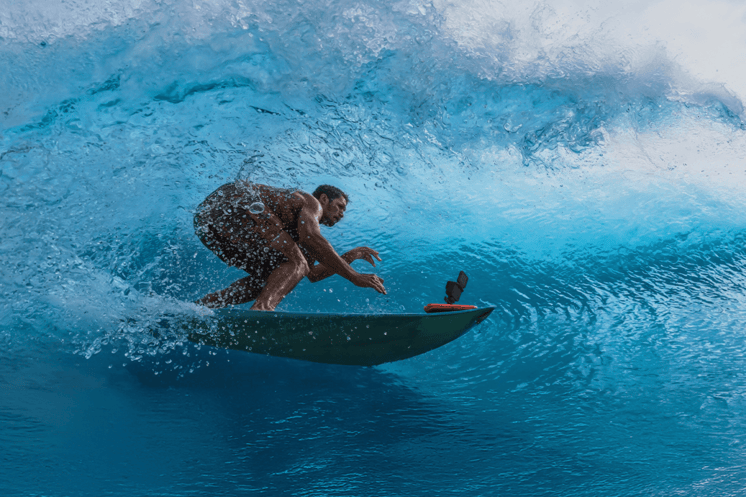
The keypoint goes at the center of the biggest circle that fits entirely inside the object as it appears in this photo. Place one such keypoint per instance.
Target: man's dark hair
(332, 192)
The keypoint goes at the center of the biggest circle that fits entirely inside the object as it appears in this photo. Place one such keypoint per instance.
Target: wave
(559, 171)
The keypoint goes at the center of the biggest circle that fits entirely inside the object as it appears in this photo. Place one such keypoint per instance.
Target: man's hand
(366, 280)
(365, 253)
(369, 281)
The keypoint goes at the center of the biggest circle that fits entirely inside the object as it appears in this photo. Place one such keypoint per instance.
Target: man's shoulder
(307, 199)
(285, 197)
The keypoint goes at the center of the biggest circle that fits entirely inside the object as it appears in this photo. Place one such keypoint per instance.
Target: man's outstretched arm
(320, 271)
(311, 237)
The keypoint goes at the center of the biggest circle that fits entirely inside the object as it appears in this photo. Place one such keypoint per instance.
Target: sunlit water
(590, 185)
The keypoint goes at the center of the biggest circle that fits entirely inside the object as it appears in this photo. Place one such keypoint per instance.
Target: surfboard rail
(348, 339)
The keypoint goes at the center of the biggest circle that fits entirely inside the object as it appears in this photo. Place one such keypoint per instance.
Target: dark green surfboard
(351, 339)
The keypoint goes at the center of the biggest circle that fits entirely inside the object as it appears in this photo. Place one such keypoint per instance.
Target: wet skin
(295, 211)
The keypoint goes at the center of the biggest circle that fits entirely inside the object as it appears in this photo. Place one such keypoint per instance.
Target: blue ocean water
(593, 191)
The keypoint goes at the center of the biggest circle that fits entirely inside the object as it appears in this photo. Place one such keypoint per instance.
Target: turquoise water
(592, 189)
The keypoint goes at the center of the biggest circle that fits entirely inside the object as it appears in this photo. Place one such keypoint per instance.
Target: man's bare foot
(261, 307)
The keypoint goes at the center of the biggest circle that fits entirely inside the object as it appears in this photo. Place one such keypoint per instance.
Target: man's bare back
(278, 246)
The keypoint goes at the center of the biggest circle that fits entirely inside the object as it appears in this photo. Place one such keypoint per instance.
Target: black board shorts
(241, 248)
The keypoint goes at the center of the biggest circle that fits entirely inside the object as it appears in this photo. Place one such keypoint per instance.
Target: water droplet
(256, 208)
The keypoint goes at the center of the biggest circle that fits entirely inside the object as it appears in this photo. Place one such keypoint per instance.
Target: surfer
(274, 235)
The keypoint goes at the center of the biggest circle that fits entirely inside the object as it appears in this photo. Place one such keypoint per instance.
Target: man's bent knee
(301, 268)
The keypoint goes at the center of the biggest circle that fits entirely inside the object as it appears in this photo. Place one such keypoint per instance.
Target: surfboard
(349, 339)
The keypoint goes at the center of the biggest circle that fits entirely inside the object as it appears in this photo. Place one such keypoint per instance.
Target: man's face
(333, 210)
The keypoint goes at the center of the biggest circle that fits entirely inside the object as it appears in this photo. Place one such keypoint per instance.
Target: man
(274, 235)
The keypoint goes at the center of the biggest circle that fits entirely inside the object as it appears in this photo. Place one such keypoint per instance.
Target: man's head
(333, 203)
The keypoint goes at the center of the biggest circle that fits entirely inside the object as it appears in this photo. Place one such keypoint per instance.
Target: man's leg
(280, 282)
(240, 292)
(287, 275)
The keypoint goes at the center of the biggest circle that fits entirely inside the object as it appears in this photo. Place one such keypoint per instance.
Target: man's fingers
(380, 284)
(377, 284)
(372, 281)
(373, 252)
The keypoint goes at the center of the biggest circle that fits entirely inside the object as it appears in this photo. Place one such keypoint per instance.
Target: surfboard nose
(484, 315)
